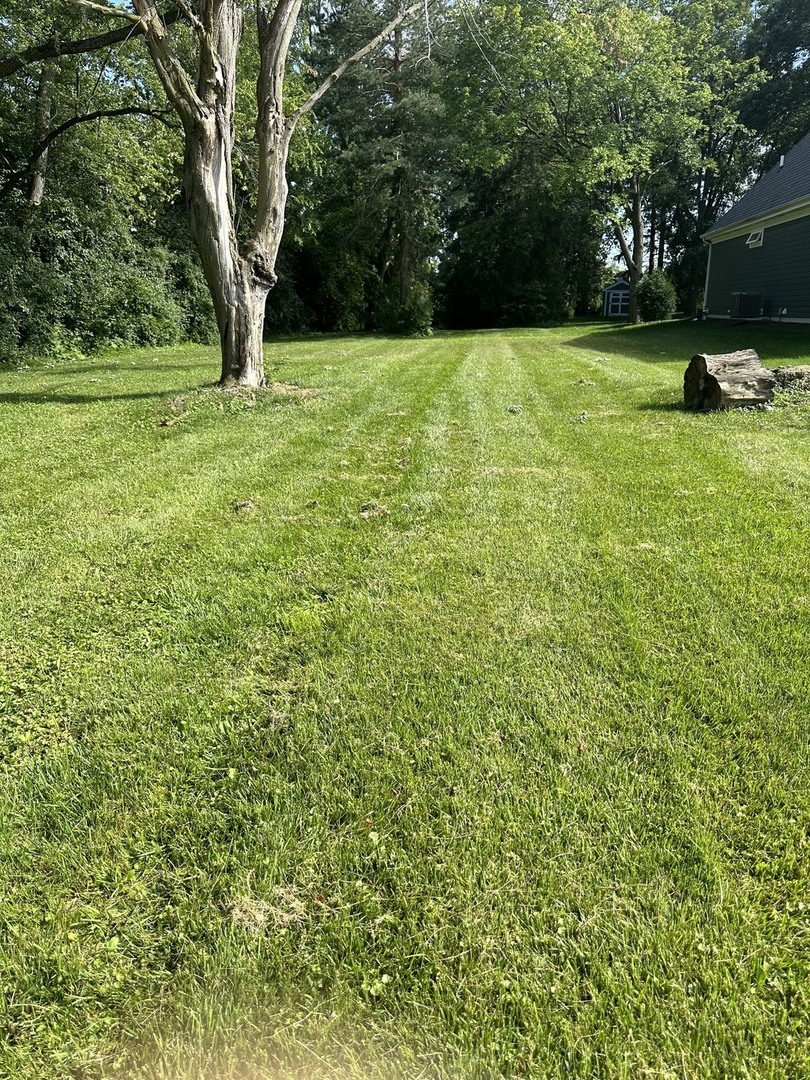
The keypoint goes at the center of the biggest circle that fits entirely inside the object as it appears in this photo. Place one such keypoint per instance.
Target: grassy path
(449, 722)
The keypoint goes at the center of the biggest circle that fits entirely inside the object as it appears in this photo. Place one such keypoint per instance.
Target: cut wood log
(727, 381)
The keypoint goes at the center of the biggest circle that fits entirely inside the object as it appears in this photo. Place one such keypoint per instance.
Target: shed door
(618, 303)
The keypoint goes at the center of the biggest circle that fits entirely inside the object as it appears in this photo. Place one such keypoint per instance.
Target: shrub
(77, 285)
(415, 316)
(656, 296)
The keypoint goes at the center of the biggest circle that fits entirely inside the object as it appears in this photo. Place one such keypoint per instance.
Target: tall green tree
(89, 160)
(780, 109)
(381, 187)
(647, 106)
(521, 252)
(710, 169)
(603, 92)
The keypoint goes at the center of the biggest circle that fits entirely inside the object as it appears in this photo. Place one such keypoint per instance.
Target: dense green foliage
(521, 255)
(781, 42)
(481, 168)
(94, 255)
(364, 262)
(87, 281)
(656, 296)
(397, 729)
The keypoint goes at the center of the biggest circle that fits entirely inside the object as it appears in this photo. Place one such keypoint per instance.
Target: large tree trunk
(697, 276)
(42, 124)
(239, 277)
(637, 262)
(662, 239)
(634, 259)
(238, 280)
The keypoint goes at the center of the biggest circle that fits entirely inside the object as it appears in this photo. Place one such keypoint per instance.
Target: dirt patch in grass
(217, 399)
(282, 389)
(249, 394)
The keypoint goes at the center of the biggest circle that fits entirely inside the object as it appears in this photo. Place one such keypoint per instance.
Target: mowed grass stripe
(598, 772)
(483, 786)
(140, 524)
(642, 738)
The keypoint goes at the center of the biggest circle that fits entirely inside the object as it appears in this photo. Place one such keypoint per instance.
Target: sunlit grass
(449, 721)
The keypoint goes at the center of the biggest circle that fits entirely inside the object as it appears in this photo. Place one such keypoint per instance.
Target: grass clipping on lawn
(447, 719)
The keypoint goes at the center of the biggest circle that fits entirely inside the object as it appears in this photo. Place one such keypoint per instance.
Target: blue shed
(616, 299)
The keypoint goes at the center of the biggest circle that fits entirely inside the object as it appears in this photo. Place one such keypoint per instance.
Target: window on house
(755, 239)
(619, 303)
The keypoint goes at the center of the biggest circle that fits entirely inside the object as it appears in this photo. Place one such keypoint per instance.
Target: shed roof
(783, 185)
(621, 285)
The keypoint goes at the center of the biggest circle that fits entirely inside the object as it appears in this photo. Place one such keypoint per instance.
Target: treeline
(490, 165)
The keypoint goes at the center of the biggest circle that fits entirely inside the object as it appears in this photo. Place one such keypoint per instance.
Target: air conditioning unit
(746, 305)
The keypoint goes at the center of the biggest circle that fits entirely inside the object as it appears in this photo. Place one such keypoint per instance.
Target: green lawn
(389, 732)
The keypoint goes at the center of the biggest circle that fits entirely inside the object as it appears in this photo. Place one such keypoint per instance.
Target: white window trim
(755, 239)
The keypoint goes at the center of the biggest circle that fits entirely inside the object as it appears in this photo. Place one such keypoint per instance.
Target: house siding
(779, 272)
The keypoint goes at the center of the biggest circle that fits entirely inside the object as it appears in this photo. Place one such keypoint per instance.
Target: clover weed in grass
(395, 730)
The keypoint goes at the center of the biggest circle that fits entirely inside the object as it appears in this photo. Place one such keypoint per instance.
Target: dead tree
(239, 276)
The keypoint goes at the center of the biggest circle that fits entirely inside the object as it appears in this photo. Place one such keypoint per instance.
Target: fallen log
(727, 381)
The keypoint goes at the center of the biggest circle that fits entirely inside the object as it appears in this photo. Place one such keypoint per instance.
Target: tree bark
(727, 381)
(239, 277)
(42, 123)
(633, 258)
(697, 275)
(55, 47)
(638, 250)
(239, 295)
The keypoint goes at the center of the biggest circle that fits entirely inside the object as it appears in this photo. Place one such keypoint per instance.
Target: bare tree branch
(189, 16)
(104, 9)
(625, 249)
(84, 118)
(355, 58)
(47, 50)
(171, 72)
(275, 36)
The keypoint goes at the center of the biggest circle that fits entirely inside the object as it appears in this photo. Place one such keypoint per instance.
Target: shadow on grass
(665, 406)
(119, 367)
(56, 398)
(664, 343)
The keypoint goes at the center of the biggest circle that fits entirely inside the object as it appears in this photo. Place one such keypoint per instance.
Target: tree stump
(727, 381)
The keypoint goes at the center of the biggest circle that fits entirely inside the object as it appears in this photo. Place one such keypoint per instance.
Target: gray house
(759, 252)
(616, 299)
